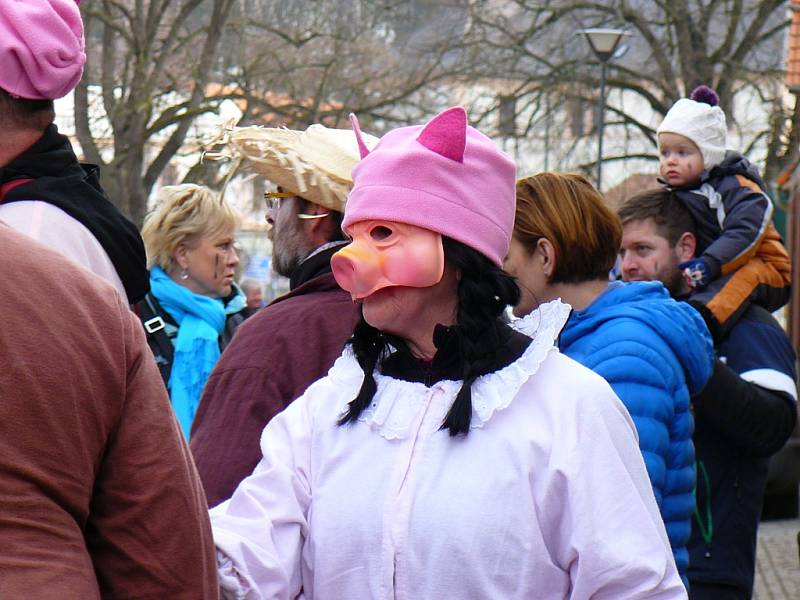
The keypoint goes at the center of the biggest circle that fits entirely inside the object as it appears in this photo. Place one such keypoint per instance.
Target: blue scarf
(200, 321)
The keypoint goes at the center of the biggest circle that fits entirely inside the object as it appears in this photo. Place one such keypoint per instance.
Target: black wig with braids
(484, 291)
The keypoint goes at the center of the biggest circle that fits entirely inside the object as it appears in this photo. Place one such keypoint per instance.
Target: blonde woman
(193, 306)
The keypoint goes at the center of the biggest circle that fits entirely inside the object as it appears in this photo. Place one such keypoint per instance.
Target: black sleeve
(757, 419)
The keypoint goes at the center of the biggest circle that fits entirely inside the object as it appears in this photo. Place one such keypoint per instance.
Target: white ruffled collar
(397, 402)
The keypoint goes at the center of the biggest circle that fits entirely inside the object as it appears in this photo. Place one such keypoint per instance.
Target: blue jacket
(655, 352)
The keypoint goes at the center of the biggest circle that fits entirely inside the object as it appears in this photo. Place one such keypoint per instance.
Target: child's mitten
(697, 273)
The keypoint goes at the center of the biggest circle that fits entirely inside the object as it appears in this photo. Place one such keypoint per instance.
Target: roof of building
(793, 59)
(638, 182)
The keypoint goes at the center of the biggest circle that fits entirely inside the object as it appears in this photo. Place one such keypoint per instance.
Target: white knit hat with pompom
(700, 119)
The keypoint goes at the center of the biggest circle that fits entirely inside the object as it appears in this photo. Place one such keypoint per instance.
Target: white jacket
(546, 497)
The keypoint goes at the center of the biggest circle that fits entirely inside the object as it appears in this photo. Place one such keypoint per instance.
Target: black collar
(500, 346)
(50, 156)
(58, 179)
(313, 266)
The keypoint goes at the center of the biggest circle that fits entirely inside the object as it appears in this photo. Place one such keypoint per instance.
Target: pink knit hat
(446, 177)
(41, 48)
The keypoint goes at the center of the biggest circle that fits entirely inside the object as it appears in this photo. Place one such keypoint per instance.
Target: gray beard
(285, 264)
(289, 249)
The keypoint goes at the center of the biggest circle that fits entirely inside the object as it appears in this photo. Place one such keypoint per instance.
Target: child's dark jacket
(746, 258)
(731, 211)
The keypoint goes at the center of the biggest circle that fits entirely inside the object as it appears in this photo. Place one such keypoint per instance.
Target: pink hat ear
(446, 134)
(362, 147)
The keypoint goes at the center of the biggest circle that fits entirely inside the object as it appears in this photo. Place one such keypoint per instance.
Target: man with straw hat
(291, 343)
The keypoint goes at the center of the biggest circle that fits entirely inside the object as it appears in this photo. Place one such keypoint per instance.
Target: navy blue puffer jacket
(656, 353)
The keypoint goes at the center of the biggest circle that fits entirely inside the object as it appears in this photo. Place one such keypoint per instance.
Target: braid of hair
(369, 346)
(484, 291)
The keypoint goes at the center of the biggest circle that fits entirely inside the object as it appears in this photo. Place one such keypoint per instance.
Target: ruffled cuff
(232, 586)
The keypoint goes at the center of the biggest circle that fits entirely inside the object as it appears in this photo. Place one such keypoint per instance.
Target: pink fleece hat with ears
(41, 48)
(445, 176)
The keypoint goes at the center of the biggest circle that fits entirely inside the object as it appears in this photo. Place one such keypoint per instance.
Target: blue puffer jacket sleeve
(654, 352)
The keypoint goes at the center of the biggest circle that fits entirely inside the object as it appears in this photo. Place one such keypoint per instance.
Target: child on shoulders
(741, 258)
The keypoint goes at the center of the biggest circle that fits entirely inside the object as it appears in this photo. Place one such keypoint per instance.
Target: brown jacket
(98, 494)
(274, 356)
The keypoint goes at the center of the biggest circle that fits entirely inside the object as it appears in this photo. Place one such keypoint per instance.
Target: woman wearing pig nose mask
(446, 454)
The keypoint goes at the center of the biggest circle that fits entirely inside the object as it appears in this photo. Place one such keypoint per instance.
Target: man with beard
(286, 346)
(744, 415)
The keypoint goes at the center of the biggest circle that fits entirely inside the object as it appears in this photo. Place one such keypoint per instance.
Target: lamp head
(603, 41)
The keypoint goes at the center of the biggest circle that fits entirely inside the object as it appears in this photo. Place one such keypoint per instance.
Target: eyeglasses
(273, 199)
(273, 202)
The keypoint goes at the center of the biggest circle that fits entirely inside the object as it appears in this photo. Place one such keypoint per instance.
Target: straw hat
(315, 164)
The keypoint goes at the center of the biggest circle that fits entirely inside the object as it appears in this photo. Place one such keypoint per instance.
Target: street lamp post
(604, 43)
